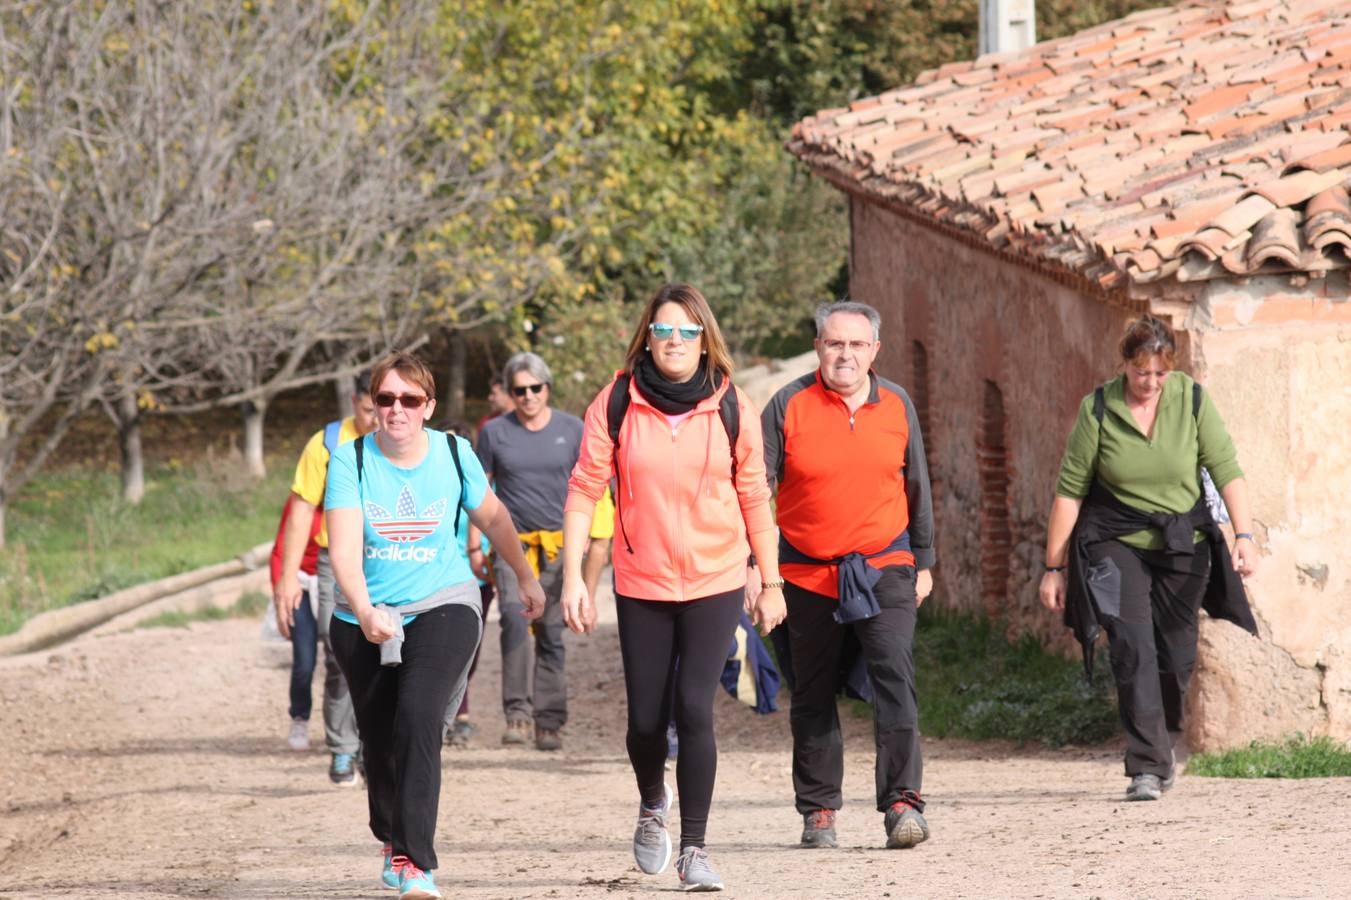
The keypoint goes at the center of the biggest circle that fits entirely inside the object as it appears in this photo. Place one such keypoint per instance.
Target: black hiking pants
(1153, 646)
(886, 642)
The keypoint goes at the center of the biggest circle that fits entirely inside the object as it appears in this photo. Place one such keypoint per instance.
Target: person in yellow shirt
(307, 489)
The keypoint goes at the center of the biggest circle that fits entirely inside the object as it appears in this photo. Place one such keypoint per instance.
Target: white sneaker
(299, 738)
(651, 842)
(696, 872)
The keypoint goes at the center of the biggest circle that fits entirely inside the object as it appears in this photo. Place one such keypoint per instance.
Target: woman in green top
(1138, 533)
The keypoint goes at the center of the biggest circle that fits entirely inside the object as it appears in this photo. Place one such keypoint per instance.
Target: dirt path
(152, 764)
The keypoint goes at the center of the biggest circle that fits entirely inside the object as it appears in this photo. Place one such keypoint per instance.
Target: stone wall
(1278, 361)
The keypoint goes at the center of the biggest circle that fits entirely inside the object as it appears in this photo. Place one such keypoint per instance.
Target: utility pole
(1007, 25)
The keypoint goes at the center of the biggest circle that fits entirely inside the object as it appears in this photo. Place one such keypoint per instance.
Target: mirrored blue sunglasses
(662, 331)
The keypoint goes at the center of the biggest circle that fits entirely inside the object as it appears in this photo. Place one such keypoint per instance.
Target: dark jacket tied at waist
(1093, 592)
(856, 579)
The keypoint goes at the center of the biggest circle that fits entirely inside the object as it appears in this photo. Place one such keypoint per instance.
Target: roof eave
(976, 228)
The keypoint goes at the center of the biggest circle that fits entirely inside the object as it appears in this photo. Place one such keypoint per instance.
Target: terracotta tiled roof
(1193, 142)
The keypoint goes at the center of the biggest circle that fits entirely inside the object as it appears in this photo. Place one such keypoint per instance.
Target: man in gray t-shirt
(528, 455)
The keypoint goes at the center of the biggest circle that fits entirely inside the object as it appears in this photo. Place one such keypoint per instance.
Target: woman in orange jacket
(690, 507)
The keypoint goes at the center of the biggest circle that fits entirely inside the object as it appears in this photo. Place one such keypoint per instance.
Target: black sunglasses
(519, 390)
(409, 401)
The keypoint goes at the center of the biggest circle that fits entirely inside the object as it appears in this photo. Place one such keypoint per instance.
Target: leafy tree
(809, 55)
(583, 343)
(771, 247)
(647, 173)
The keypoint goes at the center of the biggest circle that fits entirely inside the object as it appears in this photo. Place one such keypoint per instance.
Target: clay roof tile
(1295, 189)
(1175, 143)
(1327, 219)
(1275, 238)
(1323, 161)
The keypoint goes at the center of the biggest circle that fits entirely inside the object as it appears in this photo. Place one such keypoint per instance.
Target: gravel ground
(152, 764)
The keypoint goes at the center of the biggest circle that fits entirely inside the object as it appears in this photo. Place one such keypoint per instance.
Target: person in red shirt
(844, 450)
(305, 630)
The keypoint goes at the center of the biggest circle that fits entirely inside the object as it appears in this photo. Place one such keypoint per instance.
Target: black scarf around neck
(671, 397)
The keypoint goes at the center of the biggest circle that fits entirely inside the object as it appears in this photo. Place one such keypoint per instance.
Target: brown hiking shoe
(548, 739)
(518, 732)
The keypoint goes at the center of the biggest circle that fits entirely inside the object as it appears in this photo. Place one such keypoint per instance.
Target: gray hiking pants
(547, 706)
(340, 721)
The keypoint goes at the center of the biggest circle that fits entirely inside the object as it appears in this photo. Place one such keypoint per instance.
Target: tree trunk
(129, 443)
(4, 471)
(454, 395)
(254, 411)
(343, 388)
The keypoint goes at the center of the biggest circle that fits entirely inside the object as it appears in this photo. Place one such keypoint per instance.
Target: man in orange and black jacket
(844, 450)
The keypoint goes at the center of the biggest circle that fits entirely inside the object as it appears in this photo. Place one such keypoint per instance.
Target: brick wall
(1007, 355)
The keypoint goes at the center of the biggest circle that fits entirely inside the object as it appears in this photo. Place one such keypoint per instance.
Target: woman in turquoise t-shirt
(408, 616)
(1132, 460)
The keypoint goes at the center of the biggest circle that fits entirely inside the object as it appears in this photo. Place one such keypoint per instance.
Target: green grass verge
(72, 538)
(973, 683)
(249, 605)
(1297, 757)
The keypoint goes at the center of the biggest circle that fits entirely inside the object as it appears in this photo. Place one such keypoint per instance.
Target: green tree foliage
(1057, 18)
(776, 239)
(809, 55)
(584, 342)
(640, 171)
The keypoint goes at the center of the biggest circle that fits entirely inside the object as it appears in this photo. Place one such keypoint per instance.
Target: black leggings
(653, 635)
(399, 711)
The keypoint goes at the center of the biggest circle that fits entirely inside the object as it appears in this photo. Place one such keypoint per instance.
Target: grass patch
(1297, 757)
(249, 605)
(72, 538)
(973, 683)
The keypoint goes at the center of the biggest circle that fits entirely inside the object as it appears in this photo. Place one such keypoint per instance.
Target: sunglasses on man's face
(519, 390)
(409, 401)
(662, 331)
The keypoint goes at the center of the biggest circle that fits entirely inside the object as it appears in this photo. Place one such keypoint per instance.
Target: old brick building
(1010, 214)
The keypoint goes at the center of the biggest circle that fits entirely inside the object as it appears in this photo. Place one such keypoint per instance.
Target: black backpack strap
(1099, 407)
(360, 447)
(1196, 400)
(459, 472)
(615, 410)
(729, 410)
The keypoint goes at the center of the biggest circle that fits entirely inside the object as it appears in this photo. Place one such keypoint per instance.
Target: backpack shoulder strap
(459, 472)
(359, 445)
(331, 432)
(1099, 408)
(729, 410)
(617, 407)
(1196, 400)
